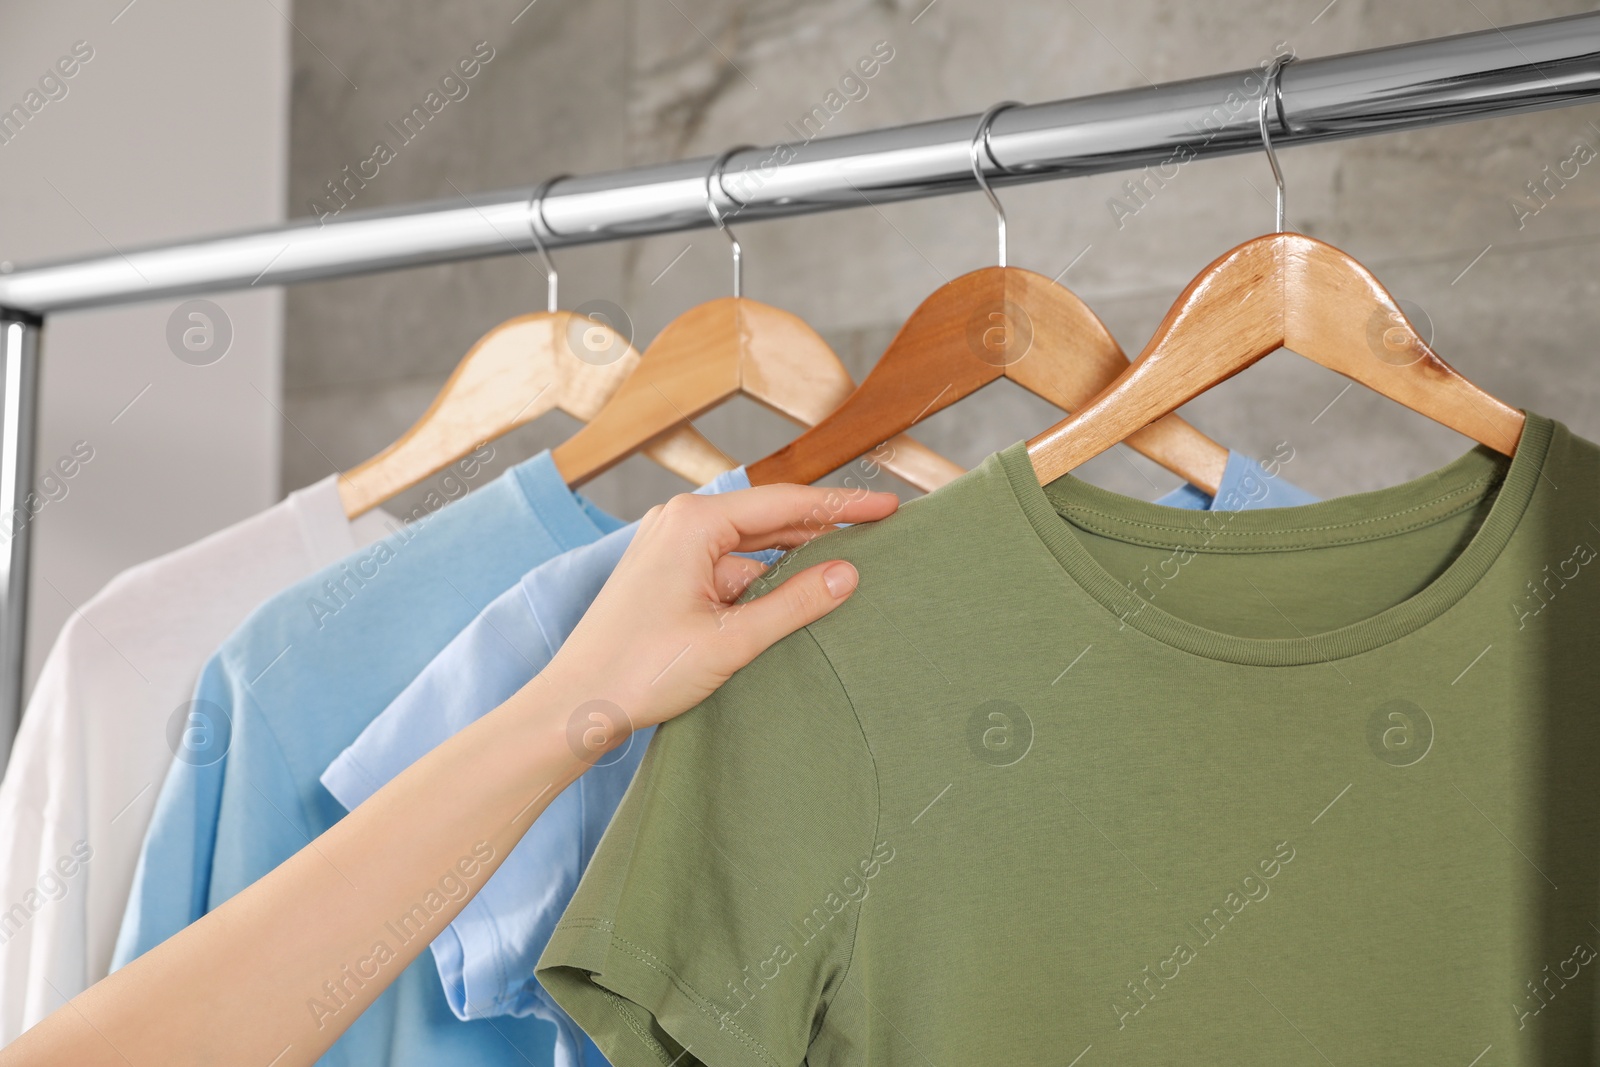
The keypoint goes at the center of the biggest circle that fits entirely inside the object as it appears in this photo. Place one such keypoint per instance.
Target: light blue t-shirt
(486, 958)
(1246, 486)
(290, 689)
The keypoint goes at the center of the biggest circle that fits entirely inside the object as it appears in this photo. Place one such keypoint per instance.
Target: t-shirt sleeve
(716, 921)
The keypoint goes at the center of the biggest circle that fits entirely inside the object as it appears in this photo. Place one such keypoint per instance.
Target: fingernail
(840, 578)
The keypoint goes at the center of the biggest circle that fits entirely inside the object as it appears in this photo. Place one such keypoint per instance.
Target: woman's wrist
(578, 714)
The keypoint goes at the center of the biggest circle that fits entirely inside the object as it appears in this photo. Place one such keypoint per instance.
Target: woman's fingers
(775, 516)
(783, 516)
(801, 600)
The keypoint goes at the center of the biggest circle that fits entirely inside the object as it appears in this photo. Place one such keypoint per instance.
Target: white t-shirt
(102, 726)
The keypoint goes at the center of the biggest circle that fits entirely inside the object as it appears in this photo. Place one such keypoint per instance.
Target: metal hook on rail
(981, 137)
(1273, 91)
(535, 224)
(717, 166)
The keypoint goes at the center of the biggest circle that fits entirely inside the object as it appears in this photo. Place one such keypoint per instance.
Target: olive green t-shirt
(1075, 779)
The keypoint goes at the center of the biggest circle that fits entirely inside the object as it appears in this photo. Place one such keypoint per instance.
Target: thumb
(799, 601)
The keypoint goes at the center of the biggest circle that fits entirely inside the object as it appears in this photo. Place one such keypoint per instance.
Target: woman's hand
(666, 630)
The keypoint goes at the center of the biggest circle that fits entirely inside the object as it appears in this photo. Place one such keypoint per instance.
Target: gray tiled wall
(580, 86)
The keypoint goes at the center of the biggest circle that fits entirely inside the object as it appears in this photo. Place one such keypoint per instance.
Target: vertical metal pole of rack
(19, 403)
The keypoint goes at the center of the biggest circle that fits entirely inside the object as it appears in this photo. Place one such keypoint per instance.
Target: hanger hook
(981, 137)
(535, 224)
(1273, 92)
(715, 172)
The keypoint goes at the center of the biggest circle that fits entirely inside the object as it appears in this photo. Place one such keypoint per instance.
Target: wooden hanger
(997, 322)
(516, 372)
(521, 369)
(1284, 290)
(731, 346)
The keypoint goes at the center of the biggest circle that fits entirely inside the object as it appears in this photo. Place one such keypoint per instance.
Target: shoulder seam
(877, 817)
(307, 822)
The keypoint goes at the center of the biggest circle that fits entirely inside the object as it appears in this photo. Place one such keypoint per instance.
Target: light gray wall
(176, 127)
(576, 87)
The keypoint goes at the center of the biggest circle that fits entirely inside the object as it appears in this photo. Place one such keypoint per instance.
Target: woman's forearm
(277, 973)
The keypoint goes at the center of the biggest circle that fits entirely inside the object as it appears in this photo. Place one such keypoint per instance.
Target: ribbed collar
(1054, 510)
(570, 519)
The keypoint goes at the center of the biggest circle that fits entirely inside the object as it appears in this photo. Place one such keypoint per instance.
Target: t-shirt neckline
(1361, 516)
(328, 534)
(558, 508)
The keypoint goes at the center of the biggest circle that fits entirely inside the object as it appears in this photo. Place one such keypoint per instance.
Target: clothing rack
(1497, 71)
